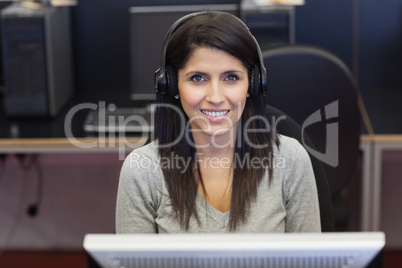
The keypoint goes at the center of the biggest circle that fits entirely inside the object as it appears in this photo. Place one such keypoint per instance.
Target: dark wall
(378, 57)
(327, 24)
(381, 43)
(381, 62)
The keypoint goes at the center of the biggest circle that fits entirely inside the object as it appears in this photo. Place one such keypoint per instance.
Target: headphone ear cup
(160, 82)
(254, 81)
(171, 81)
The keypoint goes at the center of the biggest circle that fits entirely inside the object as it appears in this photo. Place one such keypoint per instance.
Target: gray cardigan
(288, 204)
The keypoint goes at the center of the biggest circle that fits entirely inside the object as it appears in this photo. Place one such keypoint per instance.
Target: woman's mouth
(215, 113)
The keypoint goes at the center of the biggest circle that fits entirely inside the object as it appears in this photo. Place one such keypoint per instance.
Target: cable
(17, 218)
(33, 209)
(3, 158)
(26, 164)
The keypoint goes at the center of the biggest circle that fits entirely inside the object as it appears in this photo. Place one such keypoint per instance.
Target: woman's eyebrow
(195, 72)
(204, 73)
(232, 71)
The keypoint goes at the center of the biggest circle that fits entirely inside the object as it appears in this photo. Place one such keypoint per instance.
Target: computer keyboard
(120, 119)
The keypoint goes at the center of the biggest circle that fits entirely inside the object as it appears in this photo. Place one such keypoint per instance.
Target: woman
(216, 164)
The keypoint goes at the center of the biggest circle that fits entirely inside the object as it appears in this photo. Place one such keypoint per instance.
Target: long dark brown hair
(224, 32)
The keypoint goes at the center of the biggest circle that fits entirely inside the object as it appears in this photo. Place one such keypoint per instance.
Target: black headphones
(166, 76)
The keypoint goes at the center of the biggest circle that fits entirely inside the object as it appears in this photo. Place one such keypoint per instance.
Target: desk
(59, 156)
(65, 145)
(372, 147)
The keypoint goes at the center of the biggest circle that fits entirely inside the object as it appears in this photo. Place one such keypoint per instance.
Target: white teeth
(215, 113)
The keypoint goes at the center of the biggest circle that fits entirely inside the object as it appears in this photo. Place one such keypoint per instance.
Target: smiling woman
(213, 87)
(206, 171)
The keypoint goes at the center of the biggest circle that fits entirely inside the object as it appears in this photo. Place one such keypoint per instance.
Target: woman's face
(213, 89)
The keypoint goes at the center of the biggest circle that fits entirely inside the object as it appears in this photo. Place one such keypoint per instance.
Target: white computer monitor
(290, 250)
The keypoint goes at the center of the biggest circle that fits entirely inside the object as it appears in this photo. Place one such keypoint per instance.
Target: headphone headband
(163, 81)
(169, 34)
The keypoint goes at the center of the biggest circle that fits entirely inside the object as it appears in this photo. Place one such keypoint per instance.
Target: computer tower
(37, 59)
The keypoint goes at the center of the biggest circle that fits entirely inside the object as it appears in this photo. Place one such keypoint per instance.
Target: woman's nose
(215, 92)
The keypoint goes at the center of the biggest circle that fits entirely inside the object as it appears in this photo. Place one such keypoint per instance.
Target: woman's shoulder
(149, 150)
(143, 159)
(290, 148)
(288, 143)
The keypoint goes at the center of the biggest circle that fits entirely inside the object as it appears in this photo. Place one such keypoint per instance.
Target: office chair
(318, 91)
(287, 126)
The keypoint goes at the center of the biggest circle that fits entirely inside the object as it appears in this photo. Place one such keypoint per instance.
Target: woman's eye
(232, 78)
(197, 78)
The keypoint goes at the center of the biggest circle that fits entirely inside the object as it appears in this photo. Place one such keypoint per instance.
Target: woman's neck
(215, 164)
(215, 146)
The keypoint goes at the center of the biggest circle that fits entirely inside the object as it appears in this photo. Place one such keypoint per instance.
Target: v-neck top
(288, 204)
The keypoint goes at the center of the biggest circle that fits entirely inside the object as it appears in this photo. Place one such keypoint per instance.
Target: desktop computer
(37, 59)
